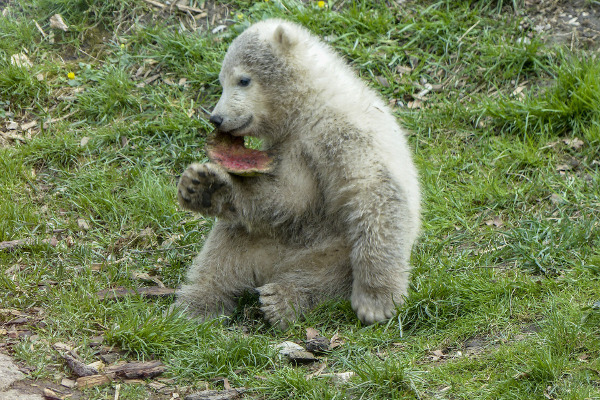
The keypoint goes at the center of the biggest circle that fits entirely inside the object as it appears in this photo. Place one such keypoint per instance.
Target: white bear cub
(329, 207)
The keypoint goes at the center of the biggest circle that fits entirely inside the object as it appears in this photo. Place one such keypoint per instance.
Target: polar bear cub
(338, 212)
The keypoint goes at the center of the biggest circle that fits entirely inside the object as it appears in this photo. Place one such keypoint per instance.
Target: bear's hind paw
(276, 305)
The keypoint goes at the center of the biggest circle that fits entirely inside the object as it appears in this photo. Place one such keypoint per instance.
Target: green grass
(508, 151)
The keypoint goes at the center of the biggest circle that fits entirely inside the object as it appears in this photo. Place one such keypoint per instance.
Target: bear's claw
(198, 187)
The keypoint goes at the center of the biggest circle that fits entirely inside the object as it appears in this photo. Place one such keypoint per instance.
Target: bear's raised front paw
(373, 307)
(199, 187)
(276, 305)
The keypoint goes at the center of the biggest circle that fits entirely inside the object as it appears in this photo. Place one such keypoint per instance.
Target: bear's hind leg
(228, 265)
(302, 281)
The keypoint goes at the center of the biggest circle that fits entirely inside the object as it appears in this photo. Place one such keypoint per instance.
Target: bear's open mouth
(229, 152)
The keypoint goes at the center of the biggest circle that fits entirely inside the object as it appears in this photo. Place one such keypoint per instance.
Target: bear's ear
(284, 38)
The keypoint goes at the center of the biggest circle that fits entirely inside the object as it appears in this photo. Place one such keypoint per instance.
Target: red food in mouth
(229, 152)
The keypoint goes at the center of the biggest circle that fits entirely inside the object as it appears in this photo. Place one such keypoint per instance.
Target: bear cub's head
(256, 77)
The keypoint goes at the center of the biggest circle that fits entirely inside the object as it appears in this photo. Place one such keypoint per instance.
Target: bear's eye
(244, 82)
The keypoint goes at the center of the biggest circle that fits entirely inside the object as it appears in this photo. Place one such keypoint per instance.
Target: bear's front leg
(206, 188)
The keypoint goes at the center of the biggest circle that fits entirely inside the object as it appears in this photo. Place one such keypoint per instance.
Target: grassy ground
(506, 287)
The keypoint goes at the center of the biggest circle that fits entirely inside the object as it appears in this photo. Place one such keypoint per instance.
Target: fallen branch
(137, 370)
(126, 372)
(120, 292)
(230, 394)
(77, 366)
(13, 244)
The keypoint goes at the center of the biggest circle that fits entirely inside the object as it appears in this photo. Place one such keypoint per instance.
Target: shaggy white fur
(339, 214)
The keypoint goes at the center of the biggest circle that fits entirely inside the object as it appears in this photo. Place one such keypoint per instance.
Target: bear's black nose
(216, 120)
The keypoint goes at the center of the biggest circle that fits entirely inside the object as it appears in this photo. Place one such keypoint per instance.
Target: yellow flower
(240, 16)
(321, 4)
(71, 75)
(122, 45)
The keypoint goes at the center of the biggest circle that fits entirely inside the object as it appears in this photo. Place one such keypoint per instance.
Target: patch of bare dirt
(575, 23)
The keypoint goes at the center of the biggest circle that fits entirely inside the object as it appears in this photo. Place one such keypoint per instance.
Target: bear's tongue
(229, 152)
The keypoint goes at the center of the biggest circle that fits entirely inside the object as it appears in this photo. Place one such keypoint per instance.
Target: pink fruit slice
(229, 152)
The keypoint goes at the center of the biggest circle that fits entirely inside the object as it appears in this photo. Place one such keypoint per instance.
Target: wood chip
(52, 395)
(319, 344)
(120, 292)
(69, 383)
(92, 380)
(231, 394)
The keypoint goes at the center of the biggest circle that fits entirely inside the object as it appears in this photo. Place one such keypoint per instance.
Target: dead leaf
(401, 69)
(83, 225)
(317, 372)
(342, 377)
(147, 278)
(414, 105)
(57, 22)
(12, 126)
(335, 342)
(382, 80)
(518, 92)
(84, 141)
(437, 355)
(311, 333)
(28, 125)
(21, 60)
(556, 199)
(575, 143)
(496, 221)
(151, 79)
(563, 167)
